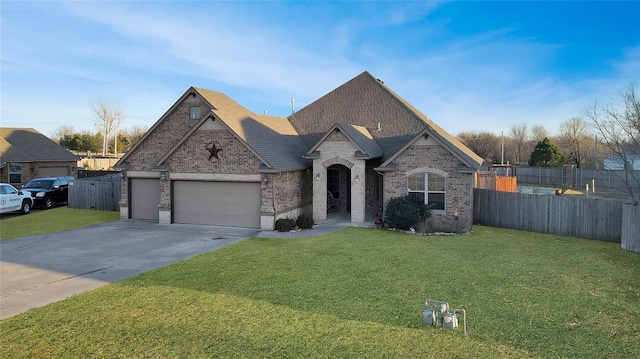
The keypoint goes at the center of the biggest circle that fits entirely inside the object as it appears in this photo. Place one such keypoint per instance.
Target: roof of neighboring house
(29, 145)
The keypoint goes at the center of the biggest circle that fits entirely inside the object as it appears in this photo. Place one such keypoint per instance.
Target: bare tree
(538, 133)
(520, 142)
(484, 144)
(617, 126)
(62, 132)
(575, 140)
(136, 133)
(107, 122)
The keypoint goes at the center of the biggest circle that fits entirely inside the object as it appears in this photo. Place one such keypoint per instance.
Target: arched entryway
(338, 189)
(346, 184)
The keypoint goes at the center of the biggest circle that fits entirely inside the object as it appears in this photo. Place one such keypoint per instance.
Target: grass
(52, 220)
(356, 293)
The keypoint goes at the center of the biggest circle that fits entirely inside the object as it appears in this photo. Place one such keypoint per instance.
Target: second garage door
(53, 171)
(145, 196)
(234, 204)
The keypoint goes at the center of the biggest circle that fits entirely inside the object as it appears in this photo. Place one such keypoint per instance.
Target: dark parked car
(49, 191)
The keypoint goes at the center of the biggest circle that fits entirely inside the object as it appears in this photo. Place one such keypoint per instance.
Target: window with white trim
(427, 188)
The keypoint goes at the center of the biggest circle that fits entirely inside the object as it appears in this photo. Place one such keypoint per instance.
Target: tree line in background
(575, 144)
(613, 129)
(89, 143)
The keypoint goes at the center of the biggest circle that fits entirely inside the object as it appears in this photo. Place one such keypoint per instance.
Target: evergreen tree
(546, 154)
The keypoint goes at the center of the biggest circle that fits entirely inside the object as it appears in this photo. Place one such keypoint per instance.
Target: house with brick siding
(26, 153)
(209, 160)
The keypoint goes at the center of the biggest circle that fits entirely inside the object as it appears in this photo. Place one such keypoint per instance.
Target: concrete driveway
(43, 269)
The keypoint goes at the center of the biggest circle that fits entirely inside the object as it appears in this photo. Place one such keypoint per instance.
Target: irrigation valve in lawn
(437, 311)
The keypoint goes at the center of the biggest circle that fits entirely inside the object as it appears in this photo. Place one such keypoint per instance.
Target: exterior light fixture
(357, 179)
(317, 177)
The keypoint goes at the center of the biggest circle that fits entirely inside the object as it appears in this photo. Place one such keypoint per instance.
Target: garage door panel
(53, 171)
(216, 209)
(145, 196)
(234, 204)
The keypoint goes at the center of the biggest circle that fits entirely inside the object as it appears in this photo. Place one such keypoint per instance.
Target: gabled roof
(375, 119)
(272, 139)
(471, 161)
(29, 145)
(122, 162)
(367, 102)
(360, 137)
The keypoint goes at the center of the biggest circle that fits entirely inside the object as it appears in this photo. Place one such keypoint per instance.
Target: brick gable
(192, 155)
(163, 137)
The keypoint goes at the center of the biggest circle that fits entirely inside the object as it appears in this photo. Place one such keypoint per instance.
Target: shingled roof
(29, 145)
(378, 121)
(361, 137)
(272, 139)
(367, 102)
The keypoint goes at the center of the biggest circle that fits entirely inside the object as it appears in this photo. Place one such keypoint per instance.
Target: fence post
(630, 234)
(539, 176)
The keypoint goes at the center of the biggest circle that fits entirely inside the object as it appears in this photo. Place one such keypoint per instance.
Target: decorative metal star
(213, 151)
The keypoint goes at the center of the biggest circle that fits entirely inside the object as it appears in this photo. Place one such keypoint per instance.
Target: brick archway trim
(338, 161)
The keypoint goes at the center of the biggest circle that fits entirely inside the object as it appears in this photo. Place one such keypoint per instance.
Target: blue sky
(473, 65)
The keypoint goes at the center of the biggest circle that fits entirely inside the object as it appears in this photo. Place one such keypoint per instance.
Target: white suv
(12, 199)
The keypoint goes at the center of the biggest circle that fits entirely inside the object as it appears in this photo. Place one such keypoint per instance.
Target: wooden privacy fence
(491, 180)
(563, 215)
(573, 177)
(630, 238)
(99, 193)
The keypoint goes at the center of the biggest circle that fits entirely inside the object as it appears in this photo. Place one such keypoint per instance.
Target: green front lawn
(356, 293)
(52, 220)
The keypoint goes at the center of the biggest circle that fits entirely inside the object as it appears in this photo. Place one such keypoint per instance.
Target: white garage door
(145, 196)
(53, 171)
(234, 204)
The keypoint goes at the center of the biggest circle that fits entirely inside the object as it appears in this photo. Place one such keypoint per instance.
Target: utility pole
(502, 156)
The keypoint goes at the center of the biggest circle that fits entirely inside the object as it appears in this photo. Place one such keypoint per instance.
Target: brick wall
(287, 191)
(165, 136)
(373, 191)
(458, 185)
(193, 157)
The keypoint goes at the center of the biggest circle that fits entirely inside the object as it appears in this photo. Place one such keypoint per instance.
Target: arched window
(427, 188)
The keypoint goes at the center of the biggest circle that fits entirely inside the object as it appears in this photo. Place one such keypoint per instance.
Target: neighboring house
(26, 153)
(208, 160)
(617, 162)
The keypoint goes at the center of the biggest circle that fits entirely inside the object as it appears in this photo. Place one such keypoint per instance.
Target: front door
(338, 188)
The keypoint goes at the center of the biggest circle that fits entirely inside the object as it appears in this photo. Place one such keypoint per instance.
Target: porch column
(358, 192)
(319, 191)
